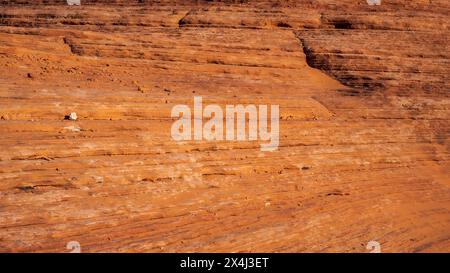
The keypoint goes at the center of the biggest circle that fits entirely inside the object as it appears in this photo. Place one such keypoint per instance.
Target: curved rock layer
(364, 126)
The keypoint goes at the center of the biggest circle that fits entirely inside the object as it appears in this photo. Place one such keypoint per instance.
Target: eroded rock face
(364, 142)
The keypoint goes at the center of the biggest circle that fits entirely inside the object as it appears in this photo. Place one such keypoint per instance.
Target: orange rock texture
(364, 99)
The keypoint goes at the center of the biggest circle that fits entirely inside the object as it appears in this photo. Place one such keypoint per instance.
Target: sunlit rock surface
(364, 143)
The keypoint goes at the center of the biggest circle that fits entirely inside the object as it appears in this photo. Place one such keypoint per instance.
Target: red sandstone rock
(364, 142)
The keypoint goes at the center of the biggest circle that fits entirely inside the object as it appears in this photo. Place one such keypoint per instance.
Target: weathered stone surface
(364, 102)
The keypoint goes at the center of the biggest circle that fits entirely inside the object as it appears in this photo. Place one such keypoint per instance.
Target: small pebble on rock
(71, 116)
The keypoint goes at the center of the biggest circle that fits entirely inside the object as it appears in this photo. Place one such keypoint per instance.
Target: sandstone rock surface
(364, 99)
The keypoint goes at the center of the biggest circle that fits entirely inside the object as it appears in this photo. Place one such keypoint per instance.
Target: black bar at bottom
(206, 262)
